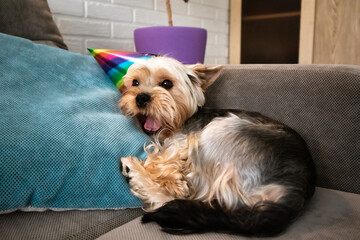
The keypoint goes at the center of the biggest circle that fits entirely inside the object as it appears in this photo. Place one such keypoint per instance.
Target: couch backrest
(321, 102)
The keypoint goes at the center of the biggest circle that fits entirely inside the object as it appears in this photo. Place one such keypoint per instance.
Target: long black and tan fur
(211, 170)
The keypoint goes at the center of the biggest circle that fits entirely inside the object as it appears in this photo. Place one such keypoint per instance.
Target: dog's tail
(187, 216)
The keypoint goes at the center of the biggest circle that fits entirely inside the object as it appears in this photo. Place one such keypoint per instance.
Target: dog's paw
(129, 165)
(125, 167)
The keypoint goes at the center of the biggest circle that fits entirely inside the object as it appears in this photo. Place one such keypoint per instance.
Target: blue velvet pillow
(61, 134)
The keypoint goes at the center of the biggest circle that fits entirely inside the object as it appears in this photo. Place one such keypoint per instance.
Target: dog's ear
(206, 74)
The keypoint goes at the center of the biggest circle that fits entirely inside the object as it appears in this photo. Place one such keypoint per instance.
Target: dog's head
(162, 93)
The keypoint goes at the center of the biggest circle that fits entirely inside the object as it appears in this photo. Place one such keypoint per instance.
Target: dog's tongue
(151, 124)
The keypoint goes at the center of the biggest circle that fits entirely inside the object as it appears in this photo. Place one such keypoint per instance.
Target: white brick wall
(110, 23)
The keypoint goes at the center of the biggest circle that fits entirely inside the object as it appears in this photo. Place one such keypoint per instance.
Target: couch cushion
(75, 225)
(61, 135)
(321, 102)
(30, 19)
(330, 215)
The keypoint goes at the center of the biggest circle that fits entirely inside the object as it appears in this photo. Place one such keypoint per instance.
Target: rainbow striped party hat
(116, 63)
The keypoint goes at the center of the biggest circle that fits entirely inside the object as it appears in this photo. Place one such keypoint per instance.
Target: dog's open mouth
(149, 125)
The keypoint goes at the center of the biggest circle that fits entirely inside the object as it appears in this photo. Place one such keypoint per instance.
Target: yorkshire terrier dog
(210, 170)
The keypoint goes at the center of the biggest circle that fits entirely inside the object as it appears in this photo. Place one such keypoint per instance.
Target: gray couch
(321, 102)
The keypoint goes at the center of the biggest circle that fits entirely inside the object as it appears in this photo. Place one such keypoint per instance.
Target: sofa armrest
(321, 102)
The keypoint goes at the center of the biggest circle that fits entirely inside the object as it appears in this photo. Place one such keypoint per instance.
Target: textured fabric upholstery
(330, 215)
(61, 133)
(321, 102)
(30, 19)
(77, 225)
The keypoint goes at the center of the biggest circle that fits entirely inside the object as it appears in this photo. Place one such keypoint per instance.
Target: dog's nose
(142, 99)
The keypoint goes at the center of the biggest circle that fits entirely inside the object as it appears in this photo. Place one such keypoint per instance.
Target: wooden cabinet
(295, 31)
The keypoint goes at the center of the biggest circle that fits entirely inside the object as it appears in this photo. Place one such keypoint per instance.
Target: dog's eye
(135, 82)
(167, 84)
